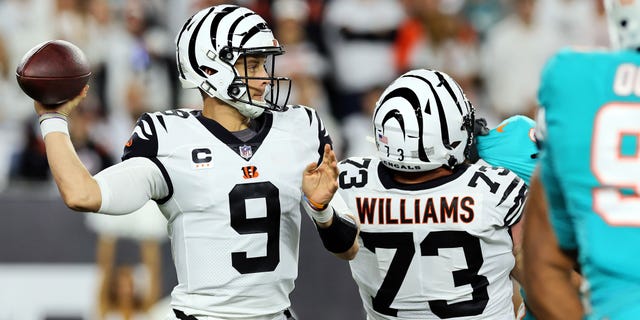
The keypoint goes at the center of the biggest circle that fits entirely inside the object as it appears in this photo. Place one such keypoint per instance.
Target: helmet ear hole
(226, 54)
(234, 90)
(452, 162)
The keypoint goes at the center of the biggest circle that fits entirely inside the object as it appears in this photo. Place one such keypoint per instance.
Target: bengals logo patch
(250, 172)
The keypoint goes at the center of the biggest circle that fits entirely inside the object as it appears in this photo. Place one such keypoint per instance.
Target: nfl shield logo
(245, 152)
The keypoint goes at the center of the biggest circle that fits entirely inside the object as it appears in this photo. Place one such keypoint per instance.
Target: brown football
(53, 72)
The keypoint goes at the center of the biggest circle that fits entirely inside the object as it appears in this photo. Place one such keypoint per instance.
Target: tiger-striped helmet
(423, 121)
(212, 41)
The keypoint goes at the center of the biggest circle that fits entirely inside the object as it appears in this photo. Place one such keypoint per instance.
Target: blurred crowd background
(339, 53)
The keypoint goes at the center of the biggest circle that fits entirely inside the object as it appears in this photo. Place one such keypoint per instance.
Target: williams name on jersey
(437, 248)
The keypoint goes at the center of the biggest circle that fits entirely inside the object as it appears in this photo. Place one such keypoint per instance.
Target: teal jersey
(511, 145)
(590, 166)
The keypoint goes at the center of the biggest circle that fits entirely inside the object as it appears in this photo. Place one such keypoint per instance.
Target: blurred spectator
(92, 154)
(359, 36)
(15, 108)
(24, 24)
(435, 36)
(303, 64)
(130, 284)
(512, 59)
(31, 160)
(357, 128)
(483, 14)
(70, 21)
(577, 22)
(142, 51)
(100, 27)
(138, 58)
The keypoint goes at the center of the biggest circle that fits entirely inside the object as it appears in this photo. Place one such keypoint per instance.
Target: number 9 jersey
(439, 249)
(233, 206)
(589, 131)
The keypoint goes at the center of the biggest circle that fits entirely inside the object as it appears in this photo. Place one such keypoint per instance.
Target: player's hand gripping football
(319, 183)
(64, 109)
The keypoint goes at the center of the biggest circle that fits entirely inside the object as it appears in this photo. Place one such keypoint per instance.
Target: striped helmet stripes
(423, 121)
(213, 40)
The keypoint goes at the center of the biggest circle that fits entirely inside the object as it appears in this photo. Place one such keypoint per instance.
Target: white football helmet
(214, 39)
(624, 23)
(423, 121)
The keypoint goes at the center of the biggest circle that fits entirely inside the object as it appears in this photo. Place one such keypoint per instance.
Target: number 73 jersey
(435, 250)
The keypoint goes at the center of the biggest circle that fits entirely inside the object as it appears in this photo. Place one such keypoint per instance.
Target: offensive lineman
(435, 231)
(230, 179)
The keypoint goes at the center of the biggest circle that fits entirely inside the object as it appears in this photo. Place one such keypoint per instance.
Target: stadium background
(340, 53)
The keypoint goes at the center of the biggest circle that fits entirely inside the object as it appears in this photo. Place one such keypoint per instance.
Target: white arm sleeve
(127, 186)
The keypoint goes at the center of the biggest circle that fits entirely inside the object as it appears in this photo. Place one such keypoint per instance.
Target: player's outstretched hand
(319, 183)
(65, 108)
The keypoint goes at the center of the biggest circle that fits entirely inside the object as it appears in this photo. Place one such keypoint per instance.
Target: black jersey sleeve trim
(309, 114)
(143, 141)
(167, 179)
(323, 138)
(510, 189)
(515, 212)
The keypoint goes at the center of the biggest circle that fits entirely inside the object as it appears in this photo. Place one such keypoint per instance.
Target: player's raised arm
(77, 187)
(119, 189)
(319, 184)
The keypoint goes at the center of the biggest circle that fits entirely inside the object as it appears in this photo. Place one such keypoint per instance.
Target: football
(53, 72)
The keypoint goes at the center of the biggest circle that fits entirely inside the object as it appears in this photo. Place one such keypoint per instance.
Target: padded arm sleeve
(127, 186)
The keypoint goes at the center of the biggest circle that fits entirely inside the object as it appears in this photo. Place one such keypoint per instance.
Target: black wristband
(338, 237)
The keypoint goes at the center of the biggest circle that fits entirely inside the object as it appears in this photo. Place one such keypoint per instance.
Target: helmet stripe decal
(444, 128)
(444, 82)
(252, 32)
(216, 22)
(412, 98)
(394, 114)
(192, 45)
(184, 27)
(235, 24)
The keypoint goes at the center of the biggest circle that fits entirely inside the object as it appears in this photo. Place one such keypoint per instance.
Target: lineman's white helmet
(423, 121)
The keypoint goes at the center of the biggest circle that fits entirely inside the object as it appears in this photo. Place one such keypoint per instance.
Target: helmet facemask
(278, 89)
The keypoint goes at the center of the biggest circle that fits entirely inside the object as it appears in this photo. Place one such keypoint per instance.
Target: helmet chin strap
(246, 109)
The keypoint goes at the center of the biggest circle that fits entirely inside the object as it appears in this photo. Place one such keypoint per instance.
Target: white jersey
(233, 207)
(436, 250)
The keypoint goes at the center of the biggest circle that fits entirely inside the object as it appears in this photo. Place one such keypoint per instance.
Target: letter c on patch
(201, 155)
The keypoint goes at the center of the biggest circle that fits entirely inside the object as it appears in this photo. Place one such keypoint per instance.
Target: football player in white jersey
(230, 179)
(435, 232)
